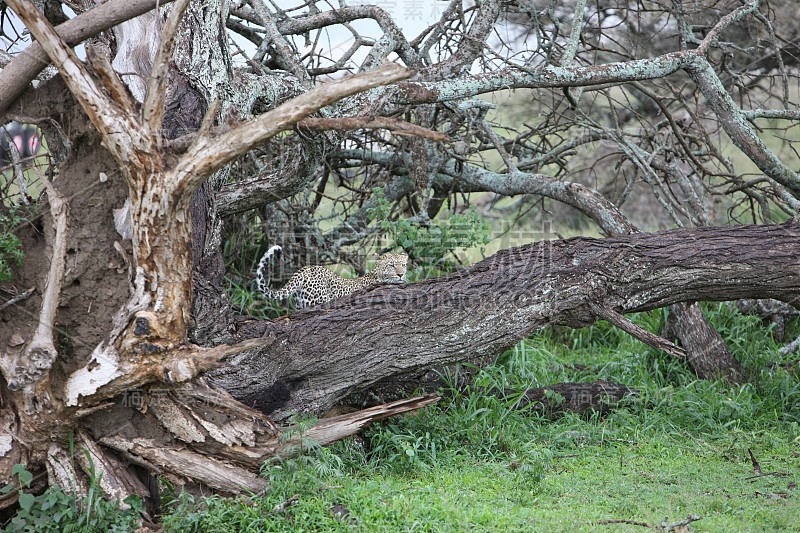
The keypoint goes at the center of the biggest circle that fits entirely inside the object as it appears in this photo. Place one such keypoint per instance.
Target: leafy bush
(434, 243)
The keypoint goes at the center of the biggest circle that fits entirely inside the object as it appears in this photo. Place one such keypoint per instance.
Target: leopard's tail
(260, 281)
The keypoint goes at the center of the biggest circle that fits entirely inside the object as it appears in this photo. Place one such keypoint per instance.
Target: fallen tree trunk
(314, 358)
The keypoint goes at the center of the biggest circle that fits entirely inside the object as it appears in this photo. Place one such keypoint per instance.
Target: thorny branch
(667, 131)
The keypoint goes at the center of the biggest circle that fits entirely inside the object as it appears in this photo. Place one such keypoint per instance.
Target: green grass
(477, 463)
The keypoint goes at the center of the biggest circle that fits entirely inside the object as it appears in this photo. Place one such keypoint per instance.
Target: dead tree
(146, 340)
(129, 311)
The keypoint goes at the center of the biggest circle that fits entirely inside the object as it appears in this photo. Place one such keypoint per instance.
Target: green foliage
(55, 511)
(10, 245)
(433, 246)
(477, 462)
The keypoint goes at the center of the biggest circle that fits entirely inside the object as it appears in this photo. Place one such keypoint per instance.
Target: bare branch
(285, 55)
(18, 298)
(472, 43)
(739, 13)
(209, 154)
(575, 33)
(396, 126)
(109, 119)
(110, 79)
(786, 114)
(307, 23)
(738, 128)
(24, 68)
(154, 101)
(638, 332)
(589, 202)
(547, 76)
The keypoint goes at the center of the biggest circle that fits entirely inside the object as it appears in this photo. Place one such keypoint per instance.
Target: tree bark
(312, 359)
(704, 347)
(713, 359)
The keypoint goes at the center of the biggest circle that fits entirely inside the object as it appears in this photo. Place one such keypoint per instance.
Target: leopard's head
(390, 268)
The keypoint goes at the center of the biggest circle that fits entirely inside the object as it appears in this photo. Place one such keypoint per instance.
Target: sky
(412, 16)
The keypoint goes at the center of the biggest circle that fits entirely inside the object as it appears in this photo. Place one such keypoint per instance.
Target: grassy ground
(476, 463)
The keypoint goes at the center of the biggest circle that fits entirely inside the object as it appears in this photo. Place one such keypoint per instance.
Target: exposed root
(182, 463)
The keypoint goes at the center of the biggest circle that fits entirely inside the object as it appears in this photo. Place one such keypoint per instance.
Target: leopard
(316, 285)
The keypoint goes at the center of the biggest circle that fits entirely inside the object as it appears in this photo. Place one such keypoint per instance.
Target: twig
(396, 126)
(498, 145)
(17, 298)
(757, 469)
(664, 526)
(679, 524)
(621, 521)
(756, 466)
(281, 507)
